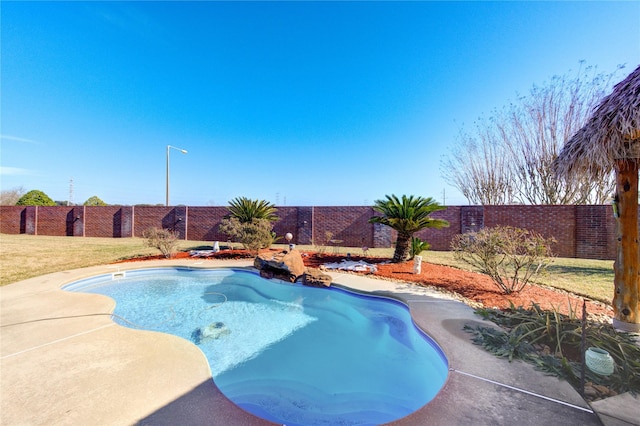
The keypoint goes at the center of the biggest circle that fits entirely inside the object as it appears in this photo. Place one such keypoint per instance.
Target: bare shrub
(511, 257)
(164, 240)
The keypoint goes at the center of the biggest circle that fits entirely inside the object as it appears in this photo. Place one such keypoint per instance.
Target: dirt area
(475, 289)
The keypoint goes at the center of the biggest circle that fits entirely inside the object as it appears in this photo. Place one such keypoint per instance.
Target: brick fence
(580, 231)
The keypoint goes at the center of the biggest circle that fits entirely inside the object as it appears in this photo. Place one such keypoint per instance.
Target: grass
(26, 256)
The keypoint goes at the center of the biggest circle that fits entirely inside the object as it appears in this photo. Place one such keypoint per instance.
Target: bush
(163, 239)
(94, 201)
(510, 256)
(253, 235)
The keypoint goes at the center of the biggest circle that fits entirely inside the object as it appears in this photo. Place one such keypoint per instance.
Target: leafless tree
(478, 167)
(9, 197)
(518, 145)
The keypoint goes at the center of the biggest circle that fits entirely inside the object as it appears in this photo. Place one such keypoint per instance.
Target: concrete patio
(64, 362)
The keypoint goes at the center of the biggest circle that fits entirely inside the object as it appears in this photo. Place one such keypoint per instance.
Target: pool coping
(63, 361)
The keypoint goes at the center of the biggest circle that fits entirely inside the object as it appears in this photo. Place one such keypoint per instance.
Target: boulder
(284, 265)
(315, 278)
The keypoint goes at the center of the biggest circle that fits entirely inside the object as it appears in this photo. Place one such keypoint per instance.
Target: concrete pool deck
(63, 361)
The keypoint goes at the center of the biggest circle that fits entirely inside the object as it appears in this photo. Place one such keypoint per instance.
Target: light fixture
(184, 151)
(599, 361)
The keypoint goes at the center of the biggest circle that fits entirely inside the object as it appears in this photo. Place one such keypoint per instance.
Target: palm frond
(245, 210)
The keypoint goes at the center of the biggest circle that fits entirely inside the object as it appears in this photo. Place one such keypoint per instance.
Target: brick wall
(101, 222)
(203, 223)
(56, 220)
(580, 231)
(288, 223)
(558, 222)
(173, 218)
(345, 226)
(13, 220)
(440, 239)
(595, 232)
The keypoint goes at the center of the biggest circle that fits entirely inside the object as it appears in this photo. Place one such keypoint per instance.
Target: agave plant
(246, 210)
(407, 216)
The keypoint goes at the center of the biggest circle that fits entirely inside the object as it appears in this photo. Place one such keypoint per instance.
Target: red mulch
(226, 254)
(472, 286)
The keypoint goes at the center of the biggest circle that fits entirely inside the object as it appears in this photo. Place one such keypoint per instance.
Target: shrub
(94, 201)
(510, 256)
(253, 235)
(163, 239)
(328, 238)
(418, 246)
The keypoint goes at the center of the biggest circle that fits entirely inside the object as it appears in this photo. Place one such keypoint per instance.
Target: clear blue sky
(297, 103)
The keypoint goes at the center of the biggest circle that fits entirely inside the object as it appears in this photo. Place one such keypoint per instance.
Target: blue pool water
(291, 354)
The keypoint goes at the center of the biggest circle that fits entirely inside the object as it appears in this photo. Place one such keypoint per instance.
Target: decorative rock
(284, 265)
(590, 392)
(351, 266)
(602, 390)
(315, 278)
(593, 392)
(266, 274)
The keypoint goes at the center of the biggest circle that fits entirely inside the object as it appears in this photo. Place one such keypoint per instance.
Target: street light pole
(184, 151)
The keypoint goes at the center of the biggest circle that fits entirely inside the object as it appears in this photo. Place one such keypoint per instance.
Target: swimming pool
(290, 354)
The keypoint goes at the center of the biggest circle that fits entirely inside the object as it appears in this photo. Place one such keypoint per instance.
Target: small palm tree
(246, 210)
(417, 247)
(407, 216)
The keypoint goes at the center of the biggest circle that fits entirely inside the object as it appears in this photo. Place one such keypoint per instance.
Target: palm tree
(407, 216)
(246, 210)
